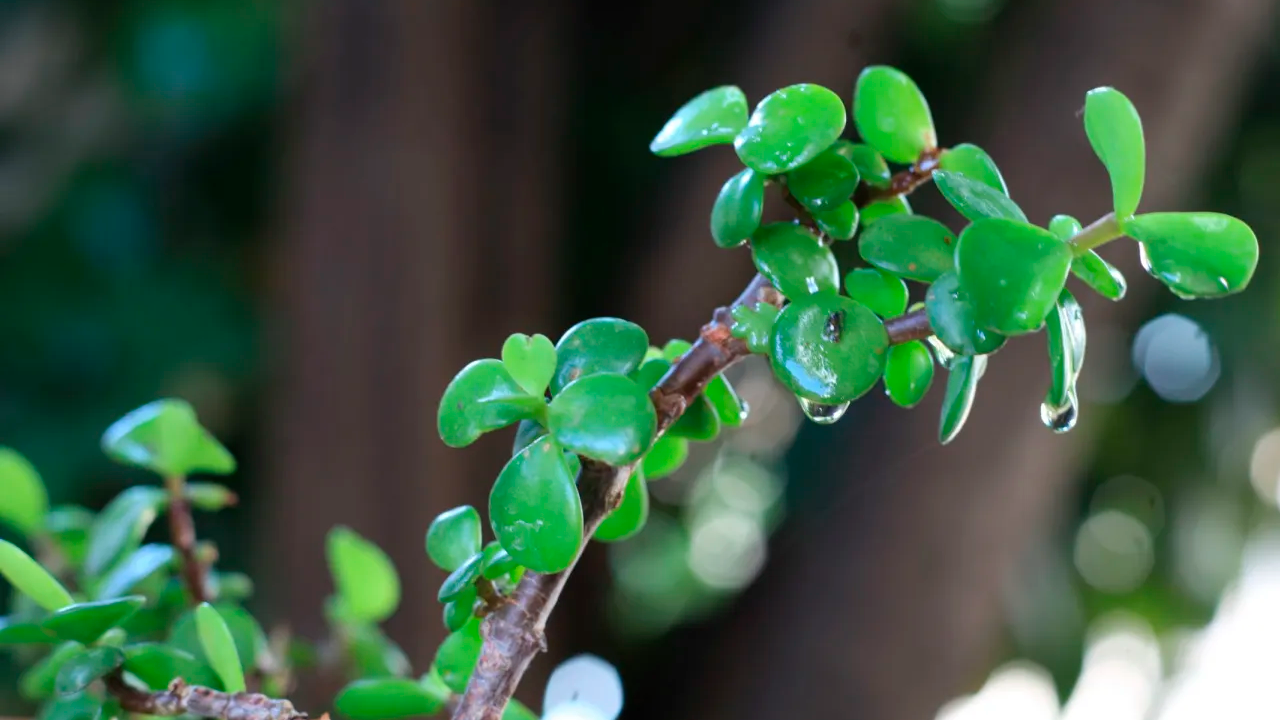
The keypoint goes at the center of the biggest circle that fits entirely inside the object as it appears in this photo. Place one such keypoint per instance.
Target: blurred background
(305, 217)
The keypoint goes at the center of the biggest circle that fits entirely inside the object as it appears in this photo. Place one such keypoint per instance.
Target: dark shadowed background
(305, 217)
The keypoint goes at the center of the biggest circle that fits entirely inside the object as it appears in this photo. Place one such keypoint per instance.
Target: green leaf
(789, 128)
(219, 648)
(156, 665)
(119, 528)
(599, 345)
(1197, 255)
(824, 182)
(456, 658)
(1065, 227)
(165, 437)
(81, 669)
(72, 707)
(386, 699)
(535, 509)
(891, 114)
(605, 416)
(130, 572)
(828, 349)
(1105, 278)
(454, 536)
(1115, 132)
(246, 633)
(39, 681)
(698, 422)
(434, 685)
(962, 386)
(629, 517)
(374, 655)
(871, 166)
(839, 223)
(974, 163)
(1065, 333)
(729, 408)
(675, 349)
(461, 579)
(754, 326)
(28, 578)
(367, 582)
(953, 319)
(908, 373)
(210, 497)
(531, 361)
(974, 199)
(23, 633)
(483, 397)
(651, 372)
(713, 118)
(888, 207)
(68, 527)
(910, 246)
(883, 293)
(738, 208)
(460, 609)
(794, 260)
(526, 432)
(496, 562)
(665, 457)
(86, 622)
(1012, 272)
(25, 500)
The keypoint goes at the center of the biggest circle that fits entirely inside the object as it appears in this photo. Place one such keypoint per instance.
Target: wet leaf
(605, 416)
(839, 223)
(885, 294)
(86, 622)
(886, 207)
(1012, 273)
(453, 537)
(456, 658)
(737, 209)
(951, 315)
(483, 397)
(892, 114)
(80, 670)
(665, 457)
(974, 163)
(460, 580)
(531, 361)
(386, 699)
(1100, 275)
(496, 562)
(975, 199)
(729, 408)
(1064, 226)
(699, 421)
(754, 326)
(962, 386)
(794, 261)
(1065, 332)
(910, 246)
(713, 118)
(1115, 132)
(824, 182)
(828, 349)
(535, 509)
(1196, 255)
(871, 166)
(629, 518)
(599, 345)
(789, 128)
(908, 373)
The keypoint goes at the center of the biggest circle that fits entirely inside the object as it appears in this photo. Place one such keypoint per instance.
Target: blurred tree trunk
(886, 602)
(419, 232)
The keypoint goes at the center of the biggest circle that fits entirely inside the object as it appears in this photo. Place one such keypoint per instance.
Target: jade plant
(111, 625)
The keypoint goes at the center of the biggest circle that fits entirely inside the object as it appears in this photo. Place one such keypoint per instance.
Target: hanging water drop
(820, 413)
(945, 355)
(1061, 418)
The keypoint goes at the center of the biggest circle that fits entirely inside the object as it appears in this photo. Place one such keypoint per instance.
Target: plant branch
(514, 633)
(183, 529)
(1100, 231)
(183, 699)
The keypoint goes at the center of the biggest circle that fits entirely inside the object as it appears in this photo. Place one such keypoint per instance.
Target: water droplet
(1144, 258)
(1059, 419)
(944, 354)
(746, 410)
(820, 413)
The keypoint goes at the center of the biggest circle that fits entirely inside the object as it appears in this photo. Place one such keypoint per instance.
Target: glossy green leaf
(880, 209)
(962, 386)
(910, 246)
(82, 706)
(165, 437)
(629, 517)
(871, 166)
(535, 509)
(366, 581)
(130, 572)
(1065, 332)
(1064, 226)
(738, 208)
(729, 408)
(28, 578)
(39, 682)
(676, 349)
(1012, 273)
(246, 633)
(86, 622)
(1105, 278)
(461, 579)
(699, 421)
(908, 373)
(496, 561)
(665, 457)
(81, 669)
(1115, 132)
(892, 115)
(1197, 255)
(651, 372)
(526, 432)
(385, 699)
(453, 537)
(754, 326)
(210, 497)
(119, 528)
(156, 665)
(828, 349)
(952, 317)
(219, 647)
(824, 182)
(25, 500)
(483, 397)
(603, 416)
(975, 199)
(883, 293)
(460, 609)
(839, 223)
(713, 118)
(456, 658)
(974, 163)
(599, 345)
(23, 633)
(793, 259)
(531, 361)
(789, 128)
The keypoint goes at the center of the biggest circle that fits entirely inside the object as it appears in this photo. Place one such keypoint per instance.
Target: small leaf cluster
(999, 277)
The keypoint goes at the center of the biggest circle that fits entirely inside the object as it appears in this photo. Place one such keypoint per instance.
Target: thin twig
(515, 633)
(183, 529)
(183, 699)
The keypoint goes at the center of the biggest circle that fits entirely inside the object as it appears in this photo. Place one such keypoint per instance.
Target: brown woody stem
(183, 529)
(183, 699)
(515, 633)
